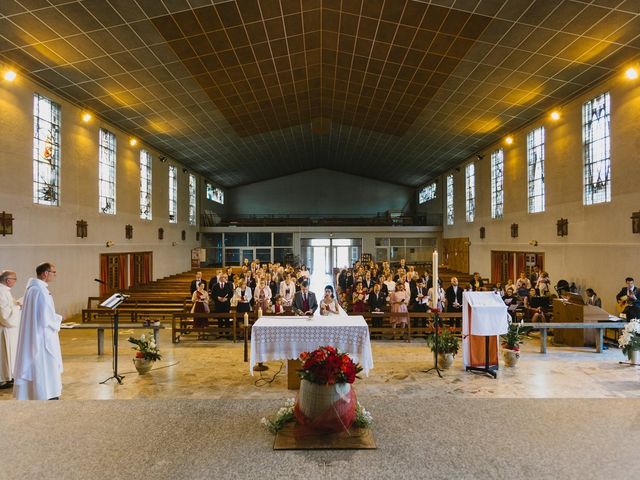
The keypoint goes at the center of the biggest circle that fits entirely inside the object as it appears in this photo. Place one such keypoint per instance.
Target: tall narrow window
(145, 185)
(427, 194)
(46, 151)
(497, 184)
(192, 199)
(470, 191)
(173, 194)
(535, 169)
(450, 217)
(596, 118)
(107, 172)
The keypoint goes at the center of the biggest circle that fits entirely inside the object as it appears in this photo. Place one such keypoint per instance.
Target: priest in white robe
(9, 325)
(38, 369)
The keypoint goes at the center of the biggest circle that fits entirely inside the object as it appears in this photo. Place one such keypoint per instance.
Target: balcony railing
(329, 220)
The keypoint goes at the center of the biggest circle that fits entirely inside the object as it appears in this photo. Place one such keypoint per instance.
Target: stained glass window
(214, 194)
(470, 191)
(535, 170)
(46, 151)
(145, 185)
(596, 125)
(107, 172)
(427, 194)
(497, 184)
(192, 199)
(450, 217)
(173, 194)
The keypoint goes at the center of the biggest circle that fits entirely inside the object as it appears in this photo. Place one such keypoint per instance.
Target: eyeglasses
(12, 278)
(52, 271)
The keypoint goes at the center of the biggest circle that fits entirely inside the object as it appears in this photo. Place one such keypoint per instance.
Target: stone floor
(216, 370)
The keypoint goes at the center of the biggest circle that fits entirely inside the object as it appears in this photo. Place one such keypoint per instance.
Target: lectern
(484, 318)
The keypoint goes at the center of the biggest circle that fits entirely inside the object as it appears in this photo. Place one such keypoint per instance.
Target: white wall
(600, 250)
(46, 233)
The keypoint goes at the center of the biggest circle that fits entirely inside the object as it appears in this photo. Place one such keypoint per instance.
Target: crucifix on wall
(81, 229)
(562, 227)
(6, 223)
(635, 222)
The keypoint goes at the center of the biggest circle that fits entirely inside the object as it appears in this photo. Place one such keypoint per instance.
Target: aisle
(318, 282)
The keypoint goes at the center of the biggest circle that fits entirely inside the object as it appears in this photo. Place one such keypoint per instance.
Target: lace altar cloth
(283, 338)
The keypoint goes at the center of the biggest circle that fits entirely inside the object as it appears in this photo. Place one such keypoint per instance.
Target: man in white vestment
(38, 369)
(9, 325)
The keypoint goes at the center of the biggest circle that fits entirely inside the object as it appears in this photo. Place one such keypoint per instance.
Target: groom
(304, 302)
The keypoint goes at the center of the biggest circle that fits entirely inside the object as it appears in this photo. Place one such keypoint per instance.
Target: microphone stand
(436, 326)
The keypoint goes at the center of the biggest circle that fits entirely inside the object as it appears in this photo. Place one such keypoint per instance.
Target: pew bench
(182, 324)
(599, 326)
(101, 327)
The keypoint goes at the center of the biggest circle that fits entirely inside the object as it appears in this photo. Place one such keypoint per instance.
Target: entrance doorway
(508, 265)
(323, 256)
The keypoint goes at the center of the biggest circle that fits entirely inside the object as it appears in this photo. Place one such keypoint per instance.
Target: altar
(285, 338)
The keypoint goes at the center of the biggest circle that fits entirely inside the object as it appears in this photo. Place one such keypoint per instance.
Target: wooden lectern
(573, 310)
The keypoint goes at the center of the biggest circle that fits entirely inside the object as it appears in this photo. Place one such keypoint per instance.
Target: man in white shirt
(38, 368)
(9, 325)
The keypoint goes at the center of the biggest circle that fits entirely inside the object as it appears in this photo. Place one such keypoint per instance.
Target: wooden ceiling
(241, 91)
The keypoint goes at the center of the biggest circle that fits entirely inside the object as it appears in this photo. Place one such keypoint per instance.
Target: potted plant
(326, 402)
(629, 341)
(447, 346)
(147, 352)
(511, 342)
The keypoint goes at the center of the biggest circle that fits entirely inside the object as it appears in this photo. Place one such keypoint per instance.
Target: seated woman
(243, 296)
(200, 299)
(532, 314)
(329, 305)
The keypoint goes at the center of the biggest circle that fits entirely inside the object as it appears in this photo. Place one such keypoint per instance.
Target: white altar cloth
(284, 338)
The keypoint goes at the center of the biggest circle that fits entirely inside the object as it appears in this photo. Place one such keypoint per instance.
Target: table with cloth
(285, 338)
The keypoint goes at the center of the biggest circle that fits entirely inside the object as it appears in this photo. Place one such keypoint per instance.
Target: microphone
(102, 282)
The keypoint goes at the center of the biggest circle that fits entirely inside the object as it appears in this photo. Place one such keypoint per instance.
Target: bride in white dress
(329, 305)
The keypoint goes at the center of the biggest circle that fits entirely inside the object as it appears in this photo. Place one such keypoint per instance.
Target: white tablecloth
(283, 338)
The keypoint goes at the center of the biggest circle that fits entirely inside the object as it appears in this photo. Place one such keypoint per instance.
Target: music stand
(113, 302)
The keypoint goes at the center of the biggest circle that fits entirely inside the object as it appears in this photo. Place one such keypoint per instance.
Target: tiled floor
(215, 369)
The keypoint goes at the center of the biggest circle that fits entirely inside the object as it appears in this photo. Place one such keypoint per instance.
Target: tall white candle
(434, 298)
(246, 319)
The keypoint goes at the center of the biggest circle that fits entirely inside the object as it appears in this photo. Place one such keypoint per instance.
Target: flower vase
(143, 366)
(634, 357)
(445, 360)
(510, 357)
(326, 408)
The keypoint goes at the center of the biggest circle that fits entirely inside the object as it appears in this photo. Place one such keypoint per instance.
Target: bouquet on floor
(327, 366)
(146, 347)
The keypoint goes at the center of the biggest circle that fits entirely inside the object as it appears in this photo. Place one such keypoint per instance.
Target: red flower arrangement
(326, 366)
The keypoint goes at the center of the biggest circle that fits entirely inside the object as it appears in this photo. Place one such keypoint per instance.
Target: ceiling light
(86, 117)
(133, 141)
(10, 75)
(508, 140)
(555, 115)
(631, 73)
